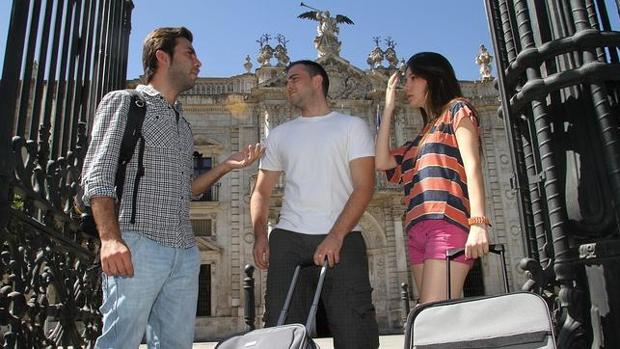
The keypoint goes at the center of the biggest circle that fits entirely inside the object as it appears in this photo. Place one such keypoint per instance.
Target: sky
(225, 31)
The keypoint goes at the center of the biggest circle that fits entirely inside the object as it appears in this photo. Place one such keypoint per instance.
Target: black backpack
(131, 137)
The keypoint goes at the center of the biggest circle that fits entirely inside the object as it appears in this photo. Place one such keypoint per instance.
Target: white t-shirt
(314, 154)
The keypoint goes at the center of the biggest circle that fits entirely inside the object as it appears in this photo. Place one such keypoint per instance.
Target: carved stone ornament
(275, 114)
(375, 57)
(265, 52)
(281, 53)
(345, 81)
(390, 53)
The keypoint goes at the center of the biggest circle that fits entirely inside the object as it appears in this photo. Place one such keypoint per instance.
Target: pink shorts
(431, 238)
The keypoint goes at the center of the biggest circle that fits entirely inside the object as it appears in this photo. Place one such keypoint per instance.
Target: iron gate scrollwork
(61, 57)
(559, 81)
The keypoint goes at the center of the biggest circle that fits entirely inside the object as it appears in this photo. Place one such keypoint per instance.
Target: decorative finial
(484, 60)
(376, 39)
(281, 52)
(265, 53)
(390, 53)
(264, 40)
(248, 64)
(282, 40)
(375, 57)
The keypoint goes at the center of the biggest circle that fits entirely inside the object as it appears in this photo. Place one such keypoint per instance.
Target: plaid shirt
(164, 193)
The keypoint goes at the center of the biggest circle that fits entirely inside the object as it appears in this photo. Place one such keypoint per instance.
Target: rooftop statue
(326, 40)
(484, 60)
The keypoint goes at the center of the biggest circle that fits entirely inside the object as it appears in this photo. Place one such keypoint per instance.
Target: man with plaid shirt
(151, 265)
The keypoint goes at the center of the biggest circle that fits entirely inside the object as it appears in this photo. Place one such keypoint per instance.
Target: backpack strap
(131, 136)
(139, 175)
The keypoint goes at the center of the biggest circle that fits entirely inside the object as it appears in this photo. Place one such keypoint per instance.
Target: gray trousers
(346, 293)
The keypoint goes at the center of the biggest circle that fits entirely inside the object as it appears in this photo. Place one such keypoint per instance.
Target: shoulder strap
(133, 129)
(131, 136)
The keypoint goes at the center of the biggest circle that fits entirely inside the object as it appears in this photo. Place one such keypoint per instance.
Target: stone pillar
(401, 243)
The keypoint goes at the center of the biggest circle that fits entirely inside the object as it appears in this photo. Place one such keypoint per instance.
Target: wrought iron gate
(559, 81)
(61, 57)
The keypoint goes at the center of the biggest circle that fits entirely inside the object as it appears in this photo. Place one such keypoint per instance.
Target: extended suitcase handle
(452, 253)
(310, 322)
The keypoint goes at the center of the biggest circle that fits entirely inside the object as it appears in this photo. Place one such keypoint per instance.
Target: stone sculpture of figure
(484, 61)
(326, 40)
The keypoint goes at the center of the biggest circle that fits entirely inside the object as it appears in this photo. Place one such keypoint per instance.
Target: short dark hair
(164, 39)
(313, 69)
(441, 81)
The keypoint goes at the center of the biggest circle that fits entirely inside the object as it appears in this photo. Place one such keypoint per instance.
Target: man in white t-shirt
(328, 162)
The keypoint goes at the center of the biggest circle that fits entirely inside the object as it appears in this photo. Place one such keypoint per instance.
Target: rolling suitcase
(293, 336)
(515, 320)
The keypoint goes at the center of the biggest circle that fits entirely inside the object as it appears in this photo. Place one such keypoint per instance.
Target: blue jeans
(160, 299)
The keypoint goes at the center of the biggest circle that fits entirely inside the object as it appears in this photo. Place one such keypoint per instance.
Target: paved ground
(386, 342)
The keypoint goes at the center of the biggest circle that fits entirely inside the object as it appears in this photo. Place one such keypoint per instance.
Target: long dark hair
(441, 81)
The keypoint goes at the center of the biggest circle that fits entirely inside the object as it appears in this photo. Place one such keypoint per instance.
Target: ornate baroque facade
(228, 113)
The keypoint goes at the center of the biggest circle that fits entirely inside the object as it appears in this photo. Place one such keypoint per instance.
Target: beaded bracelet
(479, 220)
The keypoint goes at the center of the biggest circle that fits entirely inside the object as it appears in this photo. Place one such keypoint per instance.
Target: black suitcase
(293, 336)
(519, 320)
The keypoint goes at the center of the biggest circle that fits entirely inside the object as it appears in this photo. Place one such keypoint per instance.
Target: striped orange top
(434, 181)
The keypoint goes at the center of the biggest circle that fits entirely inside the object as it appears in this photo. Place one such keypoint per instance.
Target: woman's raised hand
(390, 91)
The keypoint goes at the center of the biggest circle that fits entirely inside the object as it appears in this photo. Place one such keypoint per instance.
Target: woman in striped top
(441, 174)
